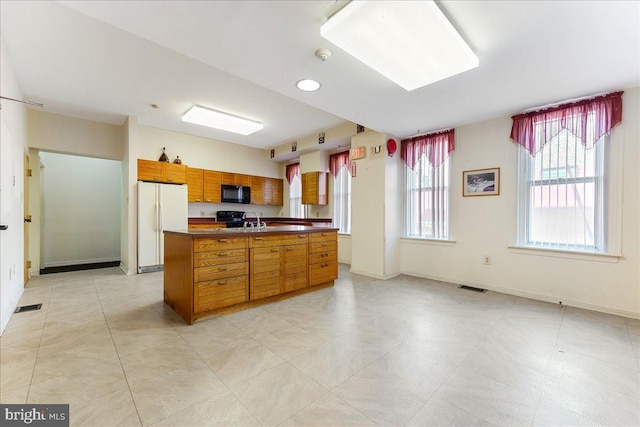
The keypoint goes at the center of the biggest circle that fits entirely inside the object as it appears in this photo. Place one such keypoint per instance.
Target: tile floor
(405, 351)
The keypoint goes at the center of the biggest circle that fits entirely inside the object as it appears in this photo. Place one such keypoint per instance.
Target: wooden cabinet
(314, 188)
(278, 264)
(151, 170)
(257, 190)
(207, 272)
(266, 191)
(323, 257)
(229, 178)
(212, 183)
(211, 226)
(220, 273)
(195, 182)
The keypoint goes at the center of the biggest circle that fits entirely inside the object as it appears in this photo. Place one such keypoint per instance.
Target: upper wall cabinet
(314, 188)
(212, 184)
(266, 191)
(236, 179)
(151, 170)
(195, 182)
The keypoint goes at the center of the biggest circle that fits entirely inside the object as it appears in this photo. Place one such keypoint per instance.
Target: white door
(148, 224)
(174, 211)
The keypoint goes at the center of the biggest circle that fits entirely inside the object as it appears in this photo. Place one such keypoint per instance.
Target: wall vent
(471, 288)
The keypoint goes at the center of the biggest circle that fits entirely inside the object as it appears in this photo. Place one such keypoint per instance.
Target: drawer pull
(222, 240)
(324, 234)
(257, 238)
(222, 269)
(324, 244)
(221, 283)
(288, 249)
(275, 250)
(223, 254)
(301, 236)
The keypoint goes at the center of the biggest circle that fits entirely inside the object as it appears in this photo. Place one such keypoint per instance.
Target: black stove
(232, 218)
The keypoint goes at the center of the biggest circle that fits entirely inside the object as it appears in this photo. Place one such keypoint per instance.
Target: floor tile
(112, 409)
(488, 399)
(277, 394)
(221, 409)
(156, 361)
(290, 342)
(382, 396)
(15, 395)
(329, 410)
(551, 414)
(438, 412)
(79, 386)
(242, 362)
(173, 391)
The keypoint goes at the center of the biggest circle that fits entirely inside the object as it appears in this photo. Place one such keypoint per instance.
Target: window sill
(344, 234)
(560, 253)
(427, 241)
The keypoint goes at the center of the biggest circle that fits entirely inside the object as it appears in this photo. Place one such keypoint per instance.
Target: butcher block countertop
(227, 232)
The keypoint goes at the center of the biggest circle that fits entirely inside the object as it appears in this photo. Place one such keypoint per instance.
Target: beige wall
(487, 226)
(69, 135)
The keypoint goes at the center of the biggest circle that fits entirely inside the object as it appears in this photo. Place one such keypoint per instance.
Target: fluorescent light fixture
(308, 85)
(219, 120)
(411, 43)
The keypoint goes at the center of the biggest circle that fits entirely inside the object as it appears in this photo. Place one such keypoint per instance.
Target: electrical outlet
(487, 260)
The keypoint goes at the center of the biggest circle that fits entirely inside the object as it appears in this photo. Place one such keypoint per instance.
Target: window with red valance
(436, 146)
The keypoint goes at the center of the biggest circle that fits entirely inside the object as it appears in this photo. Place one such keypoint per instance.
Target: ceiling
(105, 61)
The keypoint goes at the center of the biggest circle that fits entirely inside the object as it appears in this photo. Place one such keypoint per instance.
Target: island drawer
(323, 236)
(217, 244)
(323, 246)
(282, 239)
(206, 259)
(221, 293)
(202, 274)
(323, 257)
(323, 272)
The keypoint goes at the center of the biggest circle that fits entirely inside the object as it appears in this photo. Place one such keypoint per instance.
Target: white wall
(64, 134)
(374, 210)
(487, 226)
(12, 152)
(82, 198)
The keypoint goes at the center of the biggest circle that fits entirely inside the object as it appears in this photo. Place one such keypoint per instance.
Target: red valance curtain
(587, 119)
(338, 161)
(291, 171)
(436, 146)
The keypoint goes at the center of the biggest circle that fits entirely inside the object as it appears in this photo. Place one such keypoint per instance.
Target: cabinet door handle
(324, 234)
(301, 236)
(197, 200)
(208, 200)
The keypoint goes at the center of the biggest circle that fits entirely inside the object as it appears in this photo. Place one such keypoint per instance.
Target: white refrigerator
(160, 207)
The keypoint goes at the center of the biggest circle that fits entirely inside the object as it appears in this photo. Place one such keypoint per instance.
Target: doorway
(27, 219)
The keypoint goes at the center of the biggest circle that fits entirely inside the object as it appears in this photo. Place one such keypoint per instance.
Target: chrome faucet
(258, 223)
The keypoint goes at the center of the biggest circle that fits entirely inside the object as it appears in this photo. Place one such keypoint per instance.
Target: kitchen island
(213, 271)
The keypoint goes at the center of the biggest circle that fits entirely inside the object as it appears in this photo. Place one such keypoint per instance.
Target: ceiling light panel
(219, 120)
(308, 85)
(411, 43)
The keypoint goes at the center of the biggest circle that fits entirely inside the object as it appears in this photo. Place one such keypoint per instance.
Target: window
(296, 210)
(563, 198)
(564, 182)
(426, 185)
(341, 170)
(427, 200)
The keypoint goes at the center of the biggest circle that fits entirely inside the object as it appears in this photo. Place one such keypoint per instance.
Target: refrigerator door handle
(160, 219)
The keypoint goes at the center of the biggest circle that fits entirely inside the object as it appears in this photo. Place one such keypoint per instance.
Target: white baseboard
(79, 262)
(540, 297)
(376, 276)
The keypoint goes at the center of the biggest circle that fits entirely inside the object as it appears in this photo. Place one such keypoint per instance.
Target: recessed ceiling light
(308, 85)
(219, 120)
(412, 43)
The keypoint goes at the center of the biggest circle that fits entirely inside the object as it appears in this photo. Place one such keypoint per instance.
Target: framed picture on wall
(481, 182)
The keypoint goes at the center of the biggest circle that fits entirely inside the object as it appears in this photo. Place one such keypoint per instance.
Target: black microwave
(236, 194)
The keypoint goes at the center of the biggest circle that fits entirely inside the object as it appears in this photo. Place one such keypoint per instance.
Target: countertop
(228, 232)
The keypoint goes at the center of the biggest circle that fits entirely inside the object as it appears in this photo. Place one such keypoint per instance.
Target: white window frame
(342, 201)
(444, 225)
(296, 209)
(608, 244)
